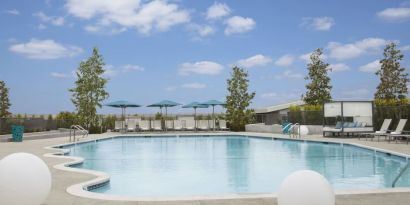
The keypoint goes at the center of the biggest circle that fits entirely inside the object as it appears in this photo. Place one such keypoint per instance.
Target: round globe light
(305, 187)
(24, 180)
(304, 130)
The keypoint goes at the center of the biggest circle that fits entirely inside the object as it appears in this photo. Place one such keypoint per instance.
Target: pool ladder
(400, 174)
(294, 130)
(77, 128)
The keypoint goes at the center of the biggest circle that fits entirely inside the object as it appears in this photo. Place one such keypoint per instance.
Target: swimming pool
(209, 165)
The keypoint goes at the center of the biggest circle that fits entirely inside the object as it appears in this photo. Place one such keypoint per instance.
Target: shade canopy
(122, 104)
(164, 103)
(195, 105)
(213, 103)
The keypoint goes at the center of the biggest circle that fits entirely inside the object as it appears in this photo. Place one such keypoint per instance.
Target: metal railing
(400, 174)
(294, 132)
(77, 128)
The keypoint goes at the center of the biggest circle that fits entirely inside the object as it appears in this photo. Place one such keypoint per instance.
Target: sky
(184, 50)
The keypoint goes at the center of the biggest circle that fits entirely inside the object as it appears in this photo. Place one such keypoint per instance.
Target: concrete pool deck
(64, 179)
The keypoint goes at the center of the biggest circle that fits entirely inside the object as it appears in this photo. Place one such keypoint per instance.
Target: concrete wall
(313, 129)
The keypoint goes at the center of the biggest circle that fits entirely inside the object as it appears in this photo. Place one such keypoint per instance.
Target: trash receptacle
(17, 132)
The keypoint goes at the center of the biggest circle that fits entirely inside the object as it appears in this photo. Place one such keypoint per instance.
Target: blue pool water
(186, 166)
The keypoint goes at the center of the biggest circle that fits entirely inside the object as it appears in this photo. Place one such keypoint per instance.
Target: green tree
(66, 119)
(238, 100)
(318, 89)
(393, 78)
(4, 100)
(89, 90)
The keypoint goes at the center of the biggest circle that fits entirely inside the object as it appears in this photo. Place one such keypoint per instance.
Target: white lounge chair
(177, 125)
(144, 125)
(157, 125)
(118, 125)
(203, 125)
(383, 129)
(131, 125)
(222, 125)
(169, 124)
(396, 133)
(190, 124)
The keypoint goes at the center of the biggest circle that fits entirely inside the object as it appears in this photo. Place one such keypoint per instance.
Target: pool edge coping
(80, 189)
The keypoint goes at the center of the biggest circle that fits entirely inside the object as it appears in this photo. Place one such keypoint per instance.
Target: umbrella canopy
(164, 103)
(195, 105)
(213, 103)
(122, 104)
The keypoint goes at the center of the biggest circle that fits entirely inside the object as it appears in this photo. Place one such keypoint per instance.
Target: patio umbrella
(123, 105)
(165, 104)
(213, 103)
(195, 105)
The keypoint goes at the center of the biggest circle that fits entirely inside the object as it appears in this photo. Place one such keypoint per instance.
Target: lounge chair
(144, 125)
(383, 129)
(189, 124)
(157, 125)
(397, 132)
(177, 125)
(212, 124)
(131, 125)
(203, 125)
(222, 125)
(118, 125)
(169, 124)
(348, 128)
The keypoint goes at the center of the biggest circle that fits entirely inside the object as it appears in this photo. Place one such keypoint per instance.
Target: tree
(318, 89)
(4, 100)
(238, 100)
(393, 78)
(89, 91)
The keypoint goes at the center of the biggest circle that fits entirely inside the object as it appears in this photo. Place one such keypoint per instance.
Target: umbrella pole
(213, 115)
(195, 117)
(166, 113)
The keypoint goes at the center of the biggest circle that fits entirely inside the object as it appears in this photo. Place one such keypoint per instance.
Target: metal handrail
(293, 129)
(74, 128)
(400, 174)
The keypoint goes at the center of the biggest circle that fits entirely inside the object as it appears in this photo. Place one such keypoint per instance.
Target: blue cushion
(338, 125)
(345, 124)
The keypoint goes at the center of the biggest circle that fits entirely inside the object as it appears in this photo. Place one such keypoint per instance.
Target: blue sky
(184, 50)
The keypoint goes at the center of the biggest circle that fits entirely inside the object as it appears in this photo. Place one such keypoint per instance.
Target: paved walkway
(64, 179)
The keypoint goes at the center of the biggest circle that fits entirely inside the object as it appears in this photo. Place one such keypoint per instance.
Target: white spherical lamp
(305, 187)
(304, 130)
(24, 180)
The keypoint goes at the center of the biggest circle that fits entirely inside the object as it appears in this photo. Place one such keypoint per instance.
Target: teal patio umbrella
(165, 104)
(123, 105)
(195, 105)
(213, 103)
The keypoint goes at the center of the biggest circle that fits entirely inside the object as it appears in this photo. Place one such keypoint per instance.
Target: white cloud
(306, 57)
(254, 61)
(13, 12)
(356, 93)
(217, 11)
(201, 30)
(352, 50)
(41, 26)
(324, 23)
(45, 49)
(405, 48)
(54, 20)
(239, 24)
(194, 85)
(285, 60)
(111, 71)
(371, 67)
(201, 67)
(104, 30)
(289, 75)
(171, 88)
(158, 15)
(339, 67)
(395, 14)
(60, 75)
(269, 95)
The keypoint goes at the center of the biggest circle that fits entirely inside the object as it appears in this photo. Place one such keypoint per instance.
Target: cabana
(348, 117)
